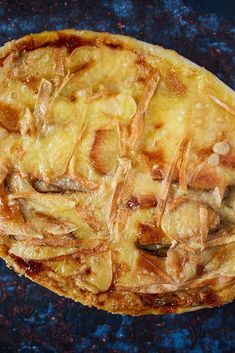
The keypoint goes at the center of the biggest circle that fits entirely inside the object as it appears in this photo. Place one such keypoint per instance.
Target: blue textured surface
(32, 319)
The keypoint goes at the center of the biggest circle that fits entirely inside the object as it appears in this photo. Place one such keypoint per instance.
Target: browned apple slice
(9, 117)
(104, 152)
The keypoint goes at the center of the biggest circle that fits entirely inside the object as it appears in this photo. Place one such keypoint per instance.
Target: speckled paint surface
(32, 319)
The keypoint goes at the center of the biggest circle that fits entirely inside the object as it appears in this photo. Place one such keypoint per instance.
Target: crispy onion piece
(123, 171)
(223, 105)
(60, 58)
(137, 125)
(166, 183)
(183, 166)
(42, 103)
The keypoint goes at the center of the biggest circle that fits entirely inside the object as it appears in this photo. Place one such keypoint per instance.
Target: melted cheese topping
(117, 170)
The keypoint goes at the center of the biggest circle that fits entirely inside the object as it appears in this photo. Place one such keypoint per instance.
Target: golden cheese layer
(117, 172)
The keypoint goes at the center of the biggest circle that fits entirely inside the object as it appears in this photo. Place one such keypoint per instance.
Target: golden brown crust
(117, 173)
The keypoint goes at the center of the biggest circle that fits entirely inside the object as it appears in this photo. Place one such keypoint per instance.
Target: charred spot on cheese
(144, 70)
(149, 234)
(157, 173)
(147, 200)
(32, 81)
(142, 201)
(9, 209)
(173, 82)
(210, 296)
(9, 117)
(141, 63)
(205, 152)
(32, 268)
(70, 41)
(133, 202)
(113, 44)
(228, 160)
(159, 125)
(13, 59)
(154, 158)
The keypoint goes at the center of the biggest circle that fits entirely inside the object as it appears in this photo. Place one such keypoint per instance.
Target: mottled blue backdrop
(32, 319)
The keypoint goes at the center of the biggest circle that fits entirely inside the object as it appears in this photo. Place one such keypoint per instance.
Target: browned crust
(130, 303)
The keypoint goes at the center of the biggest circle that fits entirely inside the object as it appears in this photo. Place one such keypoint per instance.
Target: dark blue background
(32, 319)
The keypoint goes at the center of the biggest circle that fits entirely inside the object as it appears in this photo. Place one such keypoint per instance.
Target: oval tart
(117, 173)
